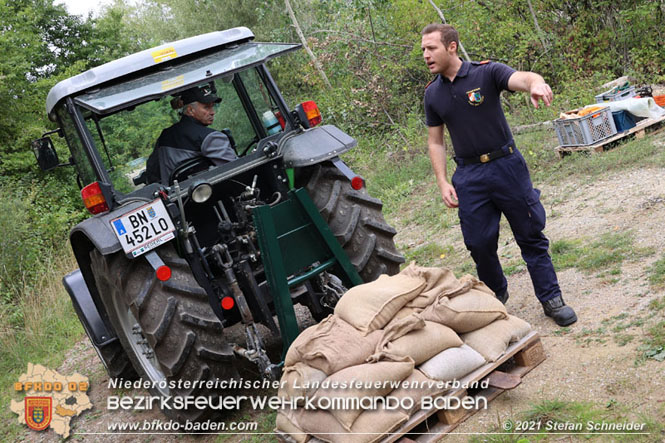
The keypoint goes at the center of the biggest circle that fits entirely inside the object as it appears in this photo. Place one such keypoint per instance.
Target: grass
(48, 328)
(657, 273)
(657, 304)
(605, 253)
(653, 344)
(393, 178)
(429, 254)
(554, 420)
(635, 153)
(588, 336)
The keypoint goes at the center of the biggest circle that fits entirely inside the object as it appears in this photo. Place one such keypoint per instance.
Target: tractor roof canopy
(166, 69)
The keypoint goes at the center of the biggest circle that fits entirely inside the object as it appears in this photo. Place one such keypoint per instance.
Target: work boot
(503, 296)
(559, 311)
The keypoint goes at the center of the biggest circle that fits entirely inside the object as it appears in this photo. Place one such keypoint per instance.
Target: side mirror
(45, 154)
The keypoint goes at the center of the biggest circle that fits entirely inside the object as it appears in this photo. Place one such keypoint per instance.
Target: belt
(486, 158)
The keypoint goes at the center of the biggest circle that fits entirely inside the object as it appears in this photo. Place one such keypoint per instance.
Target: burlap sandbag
(439, 281)
(492, 340)
(519, 328)
(375, 380)
(401, 314)
(284, 424)
(331, 345)
(415, 387)
(420, 344)
(475, 284)
(466, 312)
(371, 425)
(452, 364)
(372, 305)
(298, 381)
(394, 330)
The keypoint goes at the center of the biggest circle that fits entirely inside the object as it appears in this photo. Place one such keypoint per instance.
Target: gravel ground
(583, 366)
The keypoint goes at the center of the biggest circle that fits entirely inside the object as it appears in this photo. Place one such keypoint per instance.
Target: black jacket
(185, 140)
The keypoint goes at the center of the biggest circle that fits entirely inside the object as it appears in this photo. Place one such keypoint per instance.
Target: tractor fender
(98, 229)
(94, 233)
(86, 310)
(315, 145)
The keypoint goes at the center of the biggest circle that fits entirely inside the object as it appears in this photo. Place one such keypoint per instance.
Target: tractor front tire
(167, 329)
(355, 219)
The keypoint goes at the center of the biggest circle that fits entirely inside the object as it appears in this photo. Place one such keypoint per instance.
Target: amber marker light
(312, 112)
(93, 199)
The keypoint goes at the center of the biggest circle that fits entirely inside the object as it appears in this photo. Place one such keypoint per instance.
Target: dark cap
(202, 95)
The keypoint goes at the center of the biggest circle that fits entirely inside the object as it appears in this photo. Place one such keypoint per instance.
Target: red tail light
(312, 112)
(93, 199)
(280, 119)
(309, 114)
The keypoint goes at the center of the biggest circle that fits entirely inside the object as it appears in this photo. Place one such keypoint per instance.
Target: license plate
(144, 228)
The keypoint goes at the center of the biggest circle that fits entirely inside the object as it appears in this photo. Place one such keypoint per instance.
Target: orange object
(660, 100)
(587, 111)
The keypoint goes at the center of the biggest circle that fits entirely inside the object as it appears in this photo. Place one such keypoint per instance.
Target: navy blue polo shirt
(470, 107)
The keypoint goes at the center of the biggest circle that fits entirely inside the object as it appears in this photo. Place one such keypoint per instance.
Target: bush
(35, 217)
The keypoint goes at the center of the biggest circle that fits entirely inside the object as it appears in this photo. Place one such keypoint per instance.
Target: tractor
(165, 268)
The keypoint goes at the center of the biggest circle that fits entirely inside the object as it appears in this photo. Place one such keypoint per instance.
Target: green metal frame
(293, 237)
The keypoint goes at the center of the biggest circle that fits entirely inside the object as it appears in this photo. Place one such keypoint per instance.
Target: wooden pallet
(643, 127)
(519, 359)
(505, 373)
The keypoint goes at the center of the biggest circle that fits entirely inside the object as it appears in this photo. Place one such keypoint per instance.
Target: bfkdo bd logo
(49, 399)
(38, 412)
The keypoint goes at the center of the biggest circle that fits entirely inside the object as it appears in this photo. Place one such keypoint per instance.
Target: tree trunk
(443, 19)
(537, 26)
(317, 65)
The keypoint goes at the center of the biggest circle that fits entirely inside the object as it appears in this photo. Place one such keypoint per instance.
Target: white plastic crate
(609, 96)
(585, 130)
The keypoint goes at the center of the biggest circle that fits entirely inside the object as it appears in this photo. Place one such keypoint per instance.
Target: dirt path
(586, 362)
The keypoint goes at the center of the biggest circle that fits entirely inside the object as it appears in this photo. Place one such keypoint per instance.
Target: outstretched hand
(541, 91)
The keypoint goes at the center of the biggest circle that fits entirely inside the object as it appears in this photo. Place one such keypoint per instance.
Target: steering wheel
(254, 141)
(189, 167)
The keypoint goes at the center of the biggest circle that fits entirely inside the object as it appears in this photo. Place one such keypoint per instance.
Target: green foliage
(657, 304)
(599, 254)
(430, 254)
(38, 328)
(653, 344)
(35, 215)
(657, 273)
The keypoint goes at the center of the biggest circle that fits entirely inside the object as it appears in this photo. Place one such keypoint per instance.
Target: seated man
(190, 137)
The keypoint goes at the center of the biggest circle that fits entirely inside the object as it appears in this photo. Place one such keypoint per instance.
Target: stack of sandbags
(386, 337)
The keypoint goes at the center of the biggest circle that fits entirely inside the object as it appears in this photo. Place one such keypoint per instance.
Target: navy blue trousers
(484, 191)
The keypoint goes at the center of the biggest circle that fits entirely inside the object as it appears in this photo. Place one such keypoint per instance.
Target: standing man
(491, 176)
(190, 137)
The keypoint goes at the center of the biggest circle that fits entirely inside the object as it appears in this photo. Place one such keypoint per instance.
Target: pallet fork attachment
(292, 235)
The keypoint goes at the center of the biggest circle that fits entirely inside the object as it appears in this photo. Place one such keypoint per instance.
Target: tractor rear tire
(355, 219)
(167, 329)
(116, 362)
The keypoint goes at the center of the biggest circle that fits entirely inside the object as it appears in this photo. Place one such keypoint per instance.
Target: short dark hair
(448, 33)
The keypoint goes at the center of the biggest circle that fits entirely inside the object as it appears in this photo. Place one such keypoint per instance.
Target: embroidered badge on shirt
(475, 97)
